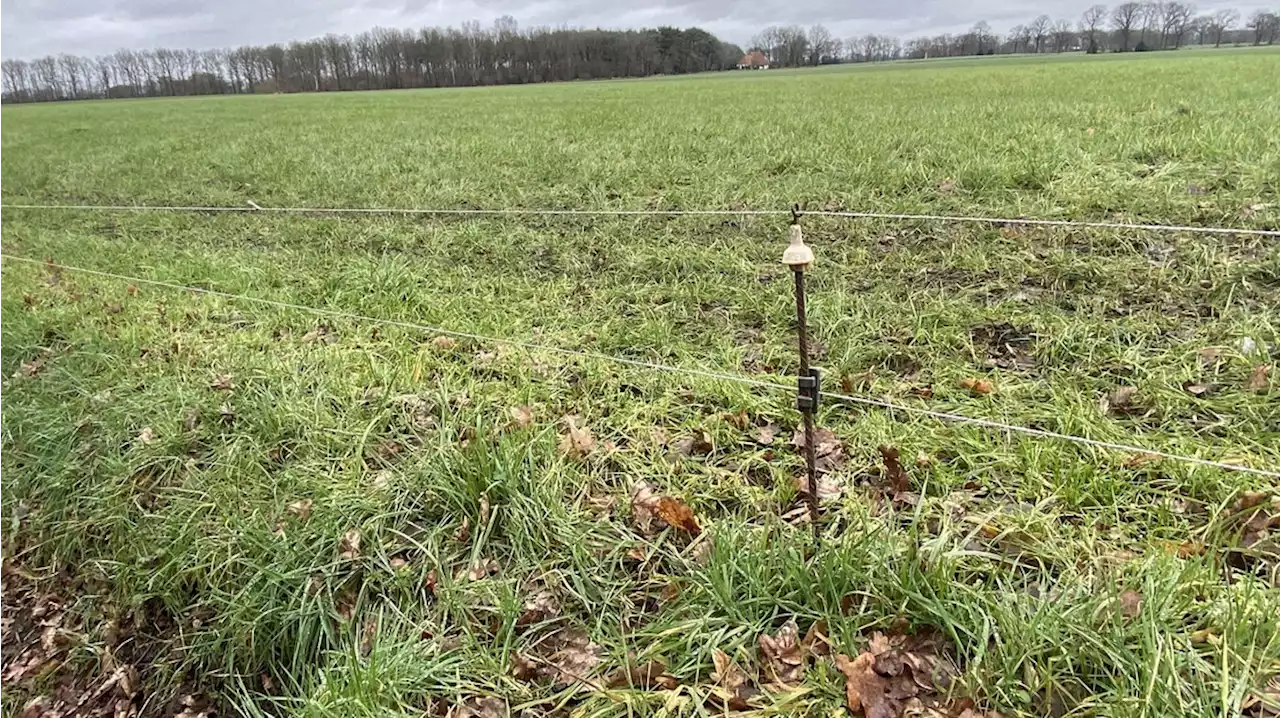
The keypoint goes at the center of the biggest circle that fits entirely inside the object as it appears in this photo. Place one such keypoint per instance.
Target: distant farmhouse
(754, 60)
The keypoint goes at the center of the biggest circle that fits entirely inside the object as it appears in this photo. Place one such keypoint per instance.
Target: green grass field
(273, 512)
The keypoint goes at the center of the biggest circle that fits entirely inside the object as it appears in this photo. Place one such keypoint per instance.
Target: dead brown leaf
(784, 657)
(828, 449)
(851, 384)
(1183, 549)
(677, 514)
(644, 505)
(828, 488)
(1263, 701)
(521, 416)
(542, 605)
(899, 481)
(738, 420)
(977, 387)
(1130, 603)
(575, 656)
(1196, 389)
(1120, 400)
(29, 663)
(368, 634)
(701, 554)
(647, 676)
(444, 343)
(196, 706)
(1258, 379)
(54, 271)
(479, 707)
(577, 441)
(864, 689)
(1137, 461)
(733, 687)
(1258, 515)
(222, 382)
(302, 509)
(651, 512)
(349, 547)
(816, 640)
(895, 675)
(524, 668)
(825, 441)
(699, 443)
(483, 568)
(322, 333)
(463, 533)
(766, 434)
(33, 367)
(1209, 356)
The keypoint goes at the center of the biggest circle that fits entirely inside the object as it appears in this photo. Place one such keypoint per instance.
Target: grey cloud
(30, 28)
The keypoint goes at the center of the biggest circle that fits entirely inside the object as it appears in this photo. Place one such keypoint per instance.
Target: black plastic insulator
(809, 390)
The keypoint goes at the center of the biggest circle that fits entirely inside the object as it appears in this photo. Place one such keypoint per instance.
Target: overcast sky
(30, 28)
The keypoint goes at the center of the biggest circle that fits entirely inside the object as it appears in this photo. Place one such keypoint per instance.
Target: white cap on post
(798, 256)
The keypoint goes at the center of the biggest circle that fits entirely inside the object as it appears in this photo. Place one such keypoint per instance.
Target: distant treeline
(1129, 27)
(380, 59)
(504, 54)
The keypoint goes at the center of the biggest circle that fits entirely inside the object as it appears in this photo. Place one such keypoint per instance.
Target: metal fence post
(798, 256)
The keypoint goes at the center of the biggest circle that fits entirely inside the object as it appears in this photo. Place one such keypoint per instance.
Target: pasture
(270, 511)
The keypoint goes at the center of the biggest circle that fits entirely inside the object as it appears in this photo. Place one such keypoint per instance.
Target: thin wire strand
(706, 373)
(252, 208)
(1049, 222)
(1027, 221)
(1044, 433)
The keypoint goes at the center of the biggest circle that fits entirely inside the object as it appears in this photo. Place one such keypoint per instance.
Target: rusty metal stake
(798, 256)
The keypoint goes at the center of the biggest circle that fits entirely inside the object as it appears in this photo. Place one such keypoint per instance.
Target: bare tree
(821, 45)
(1123, 19)
(769, 40)
(1219, 22)
(1175, 19)
(1265, 26)
(1064, 38)
(1039, 31)
(74, 71)
(981, 38)
(1091, 25)
(17, 80)
(1200, 27)
(45, 70)
(1019, 39)
(872, 48)
(1150, 18)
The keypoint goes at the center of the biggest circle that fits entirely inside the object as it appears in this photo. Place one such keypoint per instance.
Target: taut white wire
(252, 208)
(944, 416)
(1049, 222)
